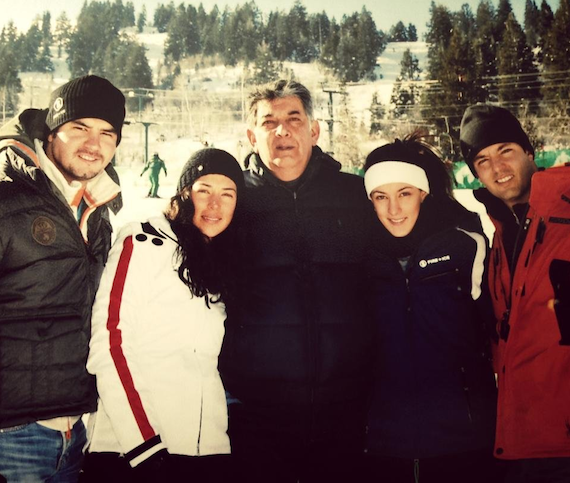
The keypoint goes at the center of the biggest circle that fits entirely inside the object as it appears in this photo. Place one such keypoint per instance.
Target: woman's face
(214, 197)
(397, 206)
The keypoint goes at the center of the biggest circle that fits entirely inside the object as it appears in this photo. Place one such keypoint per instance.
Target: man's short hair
(278, 90)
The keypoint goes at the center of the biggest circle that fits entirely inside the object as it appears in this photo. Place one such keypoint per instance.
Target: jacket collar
(318, 161)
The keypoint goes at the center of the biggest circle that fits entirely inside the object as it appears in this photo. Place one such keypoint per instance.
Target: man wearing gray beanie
(529, 279)
(56, 187)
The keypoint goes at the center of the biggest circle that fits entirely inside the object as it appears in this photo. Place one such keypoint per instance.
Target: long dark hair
(209, 267)
(438, 171)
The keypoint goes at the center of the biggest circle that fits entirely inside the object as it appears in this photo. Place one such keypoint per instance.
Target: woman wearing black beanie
(157, 330)
(432, 413)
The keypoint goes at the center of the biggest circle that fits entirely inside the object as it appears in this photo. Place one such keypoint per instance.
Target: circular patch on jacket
(43, 230)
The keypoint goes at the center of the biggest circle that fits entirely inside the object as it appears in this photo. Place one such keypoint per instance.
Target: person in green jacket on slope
(154, 166)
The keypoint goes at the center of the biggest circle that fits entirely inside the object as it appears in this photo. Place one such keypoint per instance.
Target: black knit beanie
(484, 125)
(87, 96)
(211, 161)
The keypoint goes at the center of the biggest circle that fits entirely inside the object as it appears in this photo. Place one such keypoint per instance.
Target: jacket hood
(25, 127)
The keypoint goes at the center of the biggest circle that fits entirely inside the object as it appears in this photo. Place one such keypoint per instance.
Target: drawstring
(417, 471)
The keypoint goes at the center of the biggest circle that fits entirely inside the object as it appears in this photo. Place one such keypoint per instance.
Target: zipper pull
(68, 432)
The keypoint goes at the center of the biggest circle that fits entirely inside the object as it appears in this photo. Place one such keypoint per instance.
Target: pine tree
(302, 48)
(210, 33)
(141, 20)
(96, 28)
(518, 75)
(485, 49)
(241, 33)
(358, 48)
(174, 46)
(137, 69)
(46, 28)
(30, 48)
(348, 140)
(163, 15)
(531, 23)
(62, 33)
(10, 84)
(320, 26)
(412, 33)
(192, 44)
(456, 76)
(398, 33)
(248, 27)
(546, 19)
(128, 15)
(370, 44)
(503, 11)
(557, 60)
(346, 55)
(266, 68)
(44, 62)
(126, 65)
(459, 79)
(465, 21)
(377, 114)
(113, 15)
(330, 46)
(406, 94)
(438, 36)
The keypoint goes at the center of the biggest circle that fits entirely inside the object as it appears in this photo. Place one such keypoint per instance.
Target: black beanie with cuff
(484, 125)
(211, 161)
(87, 96)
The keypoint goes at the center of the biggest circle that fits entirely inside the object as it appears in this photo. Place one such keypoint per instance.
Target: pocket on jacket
(40, 357)
(559, 273)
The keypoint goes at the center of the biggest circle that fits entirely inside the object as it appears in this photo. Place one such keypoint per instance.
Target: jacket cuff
(144, 451)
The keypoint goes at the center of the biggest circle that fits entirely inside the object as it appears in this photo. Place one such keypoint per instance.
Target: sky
(386, 13)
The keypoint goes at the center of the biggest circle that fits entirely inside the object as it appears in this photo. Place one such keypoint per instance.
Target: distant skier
(154, 166)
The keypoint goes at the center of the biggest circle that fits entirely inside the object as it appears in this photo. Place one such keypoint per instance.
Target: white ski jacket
(154, 350)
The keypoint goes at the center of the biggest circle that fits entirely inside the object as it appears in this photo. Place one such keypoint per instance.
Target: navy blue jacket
(434, 391)
(301, 334)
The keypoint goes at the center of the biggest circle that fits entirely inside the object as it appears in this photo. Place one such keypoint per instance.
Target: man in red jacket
(529, 279)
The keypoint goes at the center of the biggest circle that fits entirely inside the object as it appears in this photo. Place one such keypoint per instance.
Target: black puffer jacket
(48, 278)
(301, 333)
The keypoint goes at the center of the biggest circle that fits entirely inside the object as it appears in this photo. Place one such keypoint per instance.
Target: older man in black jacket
(296, 355)
(56, 183)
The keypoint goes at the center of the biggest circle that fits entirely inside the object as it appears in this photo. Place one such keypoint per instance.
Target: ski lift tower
(330, 120)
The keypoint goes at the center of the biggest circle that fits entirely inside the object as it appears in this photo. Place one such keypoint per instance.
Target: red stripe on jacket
(115, 340)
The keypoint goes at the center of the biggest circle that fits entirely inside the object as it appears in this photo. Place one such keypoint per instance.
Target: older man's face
(284, 136)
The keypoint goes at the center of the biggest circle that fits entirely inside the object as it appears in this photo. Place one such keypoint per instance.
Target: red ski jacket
(532, 306)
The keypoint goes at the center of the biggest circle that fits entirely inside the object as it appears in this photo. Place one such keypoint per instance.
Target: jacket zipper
(466, 392)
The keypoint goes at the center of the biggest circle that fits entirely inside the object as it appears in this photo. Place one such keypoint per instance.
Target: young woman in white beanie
(158, 326)
(432, 413)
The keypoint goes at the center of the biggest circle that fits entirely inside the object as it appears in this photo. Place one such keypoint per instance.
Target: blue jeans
(32, 453)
